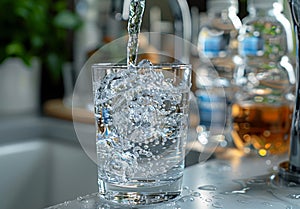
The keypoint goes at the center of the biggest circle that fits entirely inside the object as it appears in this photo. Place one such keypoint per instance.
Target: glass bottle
(217, 44)
(262, 109)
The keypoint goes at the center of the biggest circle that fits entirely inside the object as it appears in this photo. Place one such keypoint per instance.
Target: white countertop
(229, 181)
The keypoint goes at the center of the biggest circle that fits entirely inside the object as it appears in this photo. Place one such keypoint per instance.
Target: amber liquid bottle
(265, 127)
(263, 106)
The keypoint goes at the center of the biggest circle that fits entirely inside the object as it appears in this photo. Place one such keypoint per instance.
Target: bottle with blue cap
(217, 44)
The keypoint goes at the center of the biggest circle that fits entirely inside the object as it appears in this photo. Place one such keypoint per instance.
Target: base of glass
(140, 195)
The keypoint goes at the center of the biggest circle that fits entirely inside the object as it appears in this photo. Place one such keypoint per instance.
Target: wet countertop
(230, 181)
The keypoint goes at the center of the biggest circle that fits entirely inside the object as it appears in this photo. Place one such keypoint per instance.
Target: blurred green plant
(37, 28)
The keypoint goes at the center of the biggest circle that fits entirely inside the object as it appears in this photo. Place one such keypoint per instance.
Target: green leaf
(14, 49)
(66, 20)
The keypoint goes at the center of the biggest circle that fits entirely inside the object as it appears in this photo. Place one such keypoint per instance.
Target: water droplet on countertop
(242, 191)
(177, 207)
(218, 197)
(217, 205)
(292, 184)
(192, 199)
(243, 201)
(257, 181)
(208, 188)
(186, 188)
(196, 194)
(66, 203)
(294, 196)
(184, 198)
(289, 207)
(267, 204)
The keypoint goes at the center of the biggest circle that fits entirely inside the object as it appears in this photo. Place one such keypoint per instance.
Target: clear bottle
(262, 109)
(217, 43)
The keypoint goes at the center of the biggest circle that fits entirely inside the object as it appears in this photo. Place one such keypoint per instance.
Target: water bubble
(289, 207)
(196, 194)
(208, 200)
(208, 188)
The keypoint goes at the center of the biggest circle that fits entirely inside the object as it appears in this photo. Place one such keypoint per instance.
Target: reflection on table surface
(230, 180)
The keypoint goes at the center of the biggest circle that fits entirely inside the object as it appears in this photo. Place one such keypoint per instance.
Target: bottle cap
(262, 4)
(219, 5)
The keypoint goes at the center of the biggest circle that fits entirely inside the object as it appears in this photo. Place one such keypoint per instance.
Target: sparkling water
(142, 125)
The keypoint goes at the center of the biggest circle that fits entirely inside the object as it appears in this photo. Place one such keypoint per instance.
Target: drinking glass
(141, 115)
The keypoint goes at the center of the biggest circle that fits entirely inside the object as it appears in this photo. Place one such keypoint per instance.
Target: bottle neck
(224, 13)
(261, 12)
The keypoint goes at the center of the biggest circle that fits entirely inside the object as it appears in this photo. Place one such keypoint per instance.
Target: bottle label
(212, 109)
(252, 46)
(211, 43)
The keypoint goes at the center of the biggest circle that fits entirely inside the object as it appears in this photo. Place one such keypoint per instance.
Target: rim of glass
(155, 66)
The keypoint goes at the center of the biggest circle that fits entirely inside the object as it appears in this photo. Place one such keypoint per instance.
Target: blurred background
(62, 33)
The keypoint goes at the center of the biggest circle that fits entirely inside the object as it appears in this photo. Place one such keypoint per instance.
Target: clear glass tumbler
(141, 115)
